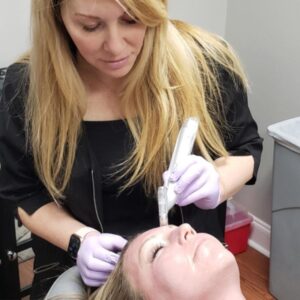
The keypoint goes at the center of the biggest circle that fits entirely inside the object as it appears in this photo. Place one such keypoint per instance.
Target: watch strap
(82, 232)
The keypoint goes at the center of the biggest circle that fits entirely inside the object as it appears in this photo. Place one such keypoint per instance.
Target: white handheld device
(183, 147)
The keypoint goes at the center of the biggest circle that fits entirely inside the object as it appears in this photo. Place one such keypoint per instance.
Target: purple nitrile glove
(97, 257)
(197, 181)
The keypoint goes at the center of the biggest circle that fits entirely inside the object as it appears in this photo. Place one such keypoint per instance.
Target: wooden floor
(254, 272)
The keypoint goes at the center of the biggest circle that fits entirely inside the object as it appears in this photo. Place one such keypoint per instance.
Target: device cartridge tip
(162, 206)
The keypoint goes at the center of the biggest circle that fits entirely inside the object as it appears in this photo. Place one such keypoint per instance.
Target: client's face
(177, 263)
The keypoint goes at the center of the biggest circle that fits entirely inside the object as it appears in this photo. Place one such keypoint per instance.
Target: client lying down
(163, 263)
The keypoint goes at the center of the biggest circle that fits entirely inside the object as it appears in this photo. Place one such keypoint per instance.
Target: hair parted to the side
(175, 77)
(55, 104)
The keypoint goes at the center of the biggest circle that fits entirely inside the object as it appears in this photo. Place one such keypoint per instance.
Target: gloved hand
(97, 257)
(196, 181)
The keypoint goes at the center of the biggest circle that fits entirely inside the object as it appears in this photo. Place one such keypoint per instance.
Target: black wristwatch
(76, 240)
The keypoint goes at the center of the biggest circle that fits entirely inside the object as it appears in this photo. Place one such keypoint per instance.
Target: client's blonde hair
(117, 286)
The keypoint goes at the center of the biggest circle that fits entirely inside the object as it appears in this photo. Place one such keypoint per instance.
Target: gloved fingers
(96, 265)
(197, 195)
(208, 203)
(95, 282)
(112, 242)
(94, 274)
(90, 242)
(206, 198)
(109, 257)
(193, 178)
(193, 187)
(92, 283)
(166, 176)
(187, 185)
(183, 166)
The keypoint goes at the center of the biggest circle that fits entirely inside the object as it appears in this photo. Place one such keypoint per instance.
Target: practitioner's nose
(114, 42)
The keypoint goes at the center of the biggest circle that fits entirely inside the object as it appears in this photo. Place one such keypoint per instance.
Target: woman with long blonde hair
(89, 120)
(164, 263)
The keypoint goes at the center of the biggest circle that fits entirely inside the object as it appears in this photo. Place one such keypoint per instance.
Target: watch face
(74, 246)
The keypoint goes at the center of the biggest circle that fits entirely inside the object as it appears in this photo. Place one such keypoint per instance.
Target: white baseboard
(260, 236)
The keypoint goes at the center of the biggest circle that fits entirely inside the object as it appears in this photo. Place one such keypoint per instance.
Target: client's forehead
(142, 237)
(158, 230)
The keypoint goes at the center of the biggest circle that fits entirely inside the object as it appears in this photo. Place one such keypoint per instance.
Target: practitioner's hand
(196, 181)
(97, 257)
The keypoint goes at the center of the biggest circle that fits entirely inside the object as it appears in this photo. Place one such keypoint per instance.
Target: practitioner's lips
(117, 63)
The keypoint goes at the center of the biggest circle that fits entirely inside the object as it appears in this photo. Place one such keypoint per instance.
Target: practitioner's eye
(155, 250)
(91, 28)
(128, 20)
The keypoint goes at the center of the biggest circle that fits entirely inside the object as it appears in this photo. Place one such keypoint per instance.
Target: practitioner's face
(106, 37)
(177, 263)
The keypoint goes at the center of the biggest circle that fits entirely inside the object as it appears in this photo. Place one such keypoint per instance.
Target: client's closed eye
(155, 250)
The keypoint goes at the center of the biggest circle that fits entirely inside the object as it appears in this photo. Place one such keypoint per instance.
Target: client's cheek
(170, 272)
(225, 258)
(210, 250)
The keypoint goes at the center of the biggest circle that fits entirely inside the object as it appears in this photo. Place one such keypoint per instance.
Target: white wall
(209, 14)
(266, 35)
(14, 29)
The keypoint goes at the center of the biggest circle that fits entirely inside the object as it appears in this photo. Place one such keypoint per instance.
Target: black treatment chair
(11, 248)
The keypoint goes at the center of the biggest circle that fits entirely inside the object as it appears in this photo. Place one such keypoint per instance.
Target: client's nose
(185, 232)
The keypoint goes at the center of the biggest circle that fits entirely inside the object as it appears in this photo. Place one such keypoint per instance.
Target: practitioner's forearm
(51, 223)
(234, 172)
